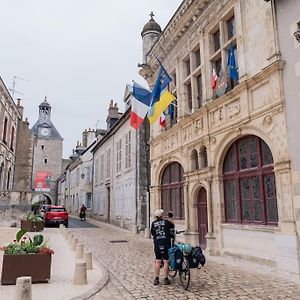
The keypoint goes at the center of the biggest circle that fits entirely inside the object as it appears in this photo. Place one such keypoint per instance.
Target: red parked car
(56, 215)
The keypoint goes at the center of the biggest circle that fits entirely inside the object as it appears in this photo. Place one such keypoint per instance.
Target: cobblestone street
(131, 274)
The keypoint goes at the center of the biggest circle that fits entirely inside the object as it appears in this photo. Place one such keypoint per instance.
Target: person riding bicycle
(162, 231)
(82, 212)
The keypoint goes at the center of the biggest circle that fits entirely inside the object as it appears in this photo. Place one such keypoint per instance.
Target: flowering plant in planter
(24, 244)
(26, 256)
(31, 216)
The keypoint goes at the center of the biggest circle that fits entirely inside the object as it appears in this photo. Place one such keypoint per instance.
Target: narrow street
(131, 276)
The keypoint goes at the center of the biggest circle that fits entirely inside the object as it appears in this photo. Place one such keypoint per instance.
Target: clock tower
(47, 157)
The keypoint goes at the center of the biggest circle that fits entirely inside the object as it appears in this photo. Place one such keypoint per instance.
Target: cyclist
(162, 231)
(82, 212)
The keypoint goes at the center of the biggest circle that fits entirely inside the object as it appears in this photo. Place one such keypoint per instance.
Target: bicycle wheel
(172, 272)
(185, 274)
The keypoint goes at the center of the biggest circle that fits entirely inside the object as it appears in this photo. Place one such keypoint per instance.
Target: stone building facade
(24, 155)
(120, 173)
(9, 118)
(224, 164)
(47, 156)
(287, 18)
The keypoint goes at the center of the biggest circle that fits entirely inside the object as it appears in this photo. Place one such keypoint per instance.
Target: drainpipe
(135, 226)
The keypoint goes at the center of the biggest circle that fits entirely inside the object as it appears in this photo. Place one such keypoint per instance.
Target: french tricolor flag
(140, 102)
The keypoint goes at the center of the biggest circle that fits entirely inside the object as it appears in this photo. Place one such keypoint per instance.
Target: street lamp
(297, 33)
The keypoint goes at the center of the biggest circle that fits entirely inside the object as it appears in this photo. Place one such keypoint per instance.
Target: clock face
(45, 131)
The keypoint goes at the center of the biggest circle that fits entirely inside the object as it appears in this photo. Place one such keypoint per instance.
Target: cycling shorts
(161, 251)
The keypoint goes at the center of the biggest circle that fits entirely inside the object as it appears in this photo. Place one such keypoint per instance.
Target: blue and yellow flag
(161, 97)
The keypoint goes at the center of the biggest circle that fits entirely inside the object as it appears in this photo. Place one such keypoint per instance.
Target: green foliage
(38, 240)
(34, 217)
(23, 244)
(20, 234)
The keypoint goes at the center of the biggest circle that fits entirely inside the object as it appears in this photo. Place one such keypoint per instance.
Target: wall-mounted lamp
(297, 33)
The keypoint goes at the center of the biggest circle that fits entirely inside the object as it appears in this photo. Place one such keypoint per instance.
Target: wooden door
(202, 217)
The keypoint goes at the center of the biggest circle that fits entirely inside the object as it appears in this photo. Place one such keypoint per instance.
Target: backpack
(175, 257)
(196, 258)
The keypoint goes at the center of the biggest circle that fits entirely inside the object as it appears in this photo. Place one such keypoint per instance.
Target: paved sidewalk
(60, 286)
(131, 272)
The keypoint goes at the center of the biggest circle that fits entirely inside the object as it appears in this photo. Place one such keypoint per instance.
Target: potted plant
(32, 222)
(26, 256)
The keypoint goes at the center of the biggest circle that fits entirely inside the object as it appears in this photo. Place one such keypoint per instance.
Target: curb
(96, 288)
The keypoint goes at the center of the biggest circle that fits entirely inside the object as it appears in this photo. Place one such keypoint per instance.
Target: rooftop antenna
(13, 90)
(97, 124)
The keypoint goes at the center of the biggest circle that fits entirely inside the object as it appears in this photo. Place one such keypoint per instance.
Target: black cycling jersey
(162, 231)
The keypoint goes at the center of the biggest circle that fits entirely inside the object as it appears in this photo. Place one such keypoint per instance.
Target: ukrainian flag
(161, 97)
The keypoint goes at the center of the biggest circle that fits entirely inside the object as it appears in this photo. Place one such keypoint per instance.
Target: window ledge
(265, 228)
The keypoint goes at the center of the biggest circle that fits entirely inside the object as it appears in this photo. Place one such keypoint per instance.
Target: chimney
(84, 138)
(20, 107)
(113, 114)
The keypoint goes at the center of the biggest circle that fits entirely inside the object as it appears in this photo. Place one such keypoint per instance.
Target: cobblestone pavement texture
(130, 266)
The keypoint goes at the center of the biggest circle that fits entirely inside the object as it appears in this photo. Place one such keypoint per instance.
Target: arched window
(195, 162)
(203, 157)
(1, 175)
(172, 190)
(249, 183)
(8, 179)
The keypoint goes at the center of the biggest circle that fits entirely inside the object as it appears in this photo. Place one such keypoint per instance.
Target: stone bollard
(74, 244)
(134, 229)
(87, 257)
(147, 233)
(23, 288)
(79, 251)
(70, 239)
(80, 273)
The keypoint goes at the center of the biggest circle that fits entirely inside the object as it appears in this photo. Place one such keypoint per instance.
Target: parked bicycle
(184, 257)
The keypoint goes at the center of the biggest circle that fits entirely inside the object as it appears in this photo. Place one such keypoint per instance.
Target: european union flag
(171, 110)
(162, 81)
(233, 73)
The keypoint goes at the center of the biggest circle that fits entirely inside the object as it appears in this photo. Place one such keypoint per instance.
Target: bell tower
(45, 112)
(150, 35)
(47, 157)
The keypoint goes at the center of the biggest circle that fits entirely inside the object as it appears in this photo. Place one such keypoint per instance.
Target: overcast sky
(78, 53)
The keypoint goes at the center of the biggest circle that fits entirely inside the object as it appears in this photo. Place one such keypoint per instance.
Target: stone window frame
(171, 121)
(193, 101)
(96, 170)
(108, 160)
(119, 156)
(5, 125)
(235, 174)
(12, 138)
(128, 150)
(221, 54)
(101, 173)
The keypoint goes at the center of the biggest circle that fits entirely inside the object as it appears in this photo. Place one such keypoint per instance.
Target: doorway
(202, 217)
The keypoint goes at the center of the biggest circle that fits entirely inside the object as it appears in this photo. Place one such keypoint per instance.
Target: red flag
(214, 79)
(162, 120)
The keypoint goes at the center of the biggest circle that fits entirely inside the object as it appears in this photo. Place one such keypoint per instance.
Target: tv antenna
(13, 90)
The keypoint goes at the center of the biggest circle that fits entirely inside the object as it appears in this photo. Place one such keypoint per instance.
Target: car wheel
(66, 224)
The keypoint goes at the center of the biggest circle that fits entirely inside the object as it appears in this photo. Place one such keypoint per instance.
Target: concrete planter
(32, 226)
(36, 265)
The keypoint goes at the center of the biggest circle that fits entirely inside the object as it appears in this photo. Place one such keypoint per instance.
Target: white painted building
(119, 183)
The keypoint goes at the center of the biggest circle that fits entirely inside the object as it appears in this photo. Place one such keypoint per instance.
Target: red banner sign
(42, 182)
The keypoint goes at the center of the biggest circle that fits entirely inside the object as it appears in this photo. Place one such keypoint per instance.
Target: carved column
(209, 207)
(186, 204)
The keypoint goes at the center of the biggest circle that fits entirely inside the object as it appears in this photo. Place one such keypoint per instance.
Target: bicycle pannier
(196, 258)
(175, 257)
